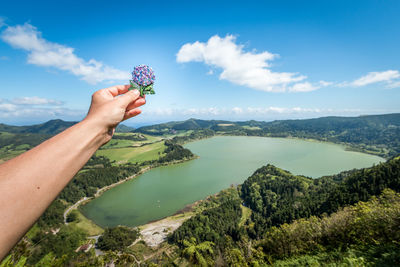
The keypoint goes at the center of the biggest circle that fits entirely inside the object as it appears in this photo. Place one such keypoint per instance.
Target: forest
(296, 219)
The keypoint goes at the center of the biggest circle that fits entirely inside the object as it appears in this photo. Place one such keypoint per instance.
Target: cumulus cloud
(48, 54)
(35, 107)
(34, 100)
(388, 77)
(249, 69)
(7, 107)
(303, 87)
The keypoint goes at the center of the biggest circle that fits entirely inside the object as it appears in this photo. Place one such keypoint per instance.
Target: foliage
(117, 238)
(174, 152)
(62, 244)
(195, 135)
(12, 141)
(72, 216)
(85, 184)
(211, 225)
(53, 216)
(278, 197)
(364, 183)
(198, 254)
(131, 137)
(364, 225)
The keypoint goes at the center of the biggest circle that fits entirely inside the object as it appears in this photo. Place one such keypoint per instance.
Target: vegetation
(60, 245)
(85, 224)
(195, 135)
(53, 216)
(73, 216)
(140, 154)
(86, 184)
(369, 229)
(174, 152)
(278, 197)
(288, 221)
(117, 238)
(50, 127)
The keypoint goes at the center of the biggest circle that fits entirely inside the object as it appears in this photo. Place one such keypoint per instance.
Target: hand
(112, 105)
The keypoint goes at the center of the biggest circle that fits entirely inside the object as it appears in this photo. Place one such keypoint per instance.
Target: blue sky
(234, 60)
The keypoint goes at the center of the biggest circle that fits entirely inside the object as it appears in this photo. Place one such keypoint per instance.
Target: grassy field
(6, 153)
(246, 213)
(114, 143)
(133, 154)
(251, 127)
(86, 225)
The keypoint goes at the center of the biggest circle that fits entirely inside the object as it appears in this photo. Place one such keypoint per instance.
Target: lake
(224, 160)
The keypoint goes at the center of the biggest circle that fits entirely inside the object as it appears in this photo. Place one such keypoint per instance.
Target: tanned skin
(30, 182)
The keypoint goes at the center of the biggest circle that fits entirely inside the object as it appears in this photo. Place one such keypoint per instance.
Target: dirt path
(73, 207)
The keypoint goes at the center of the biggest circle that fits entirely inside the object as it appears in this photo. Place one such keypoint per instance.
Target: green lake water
(223, 161)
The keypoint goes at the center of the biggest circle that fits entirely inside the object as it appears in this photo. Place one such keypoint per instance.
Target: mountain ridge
(51, 127)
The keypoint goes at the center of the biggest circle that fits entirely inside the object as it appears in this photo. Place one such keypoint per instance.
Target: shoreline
(182, 211)
(100, 191)
(346, 146)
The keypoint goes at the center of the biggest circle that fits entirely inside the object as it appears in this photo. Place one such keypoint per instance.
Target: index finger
(118, 89)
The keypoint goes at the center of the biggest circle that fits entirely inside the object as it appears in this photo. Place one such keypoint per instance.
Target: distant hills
(51, 127)
(375, 134)
(324, 123)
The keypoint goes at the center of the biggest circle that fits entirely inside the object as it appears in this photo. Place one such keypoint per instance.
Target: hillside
(278, 228)
(50, 127)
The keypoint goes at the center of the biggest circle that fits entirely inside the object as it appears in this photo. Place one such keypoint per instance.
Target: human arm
(31, 181)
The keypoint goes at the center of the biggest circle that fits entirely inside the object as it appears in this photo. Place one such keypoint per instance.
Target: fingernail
(136, 92)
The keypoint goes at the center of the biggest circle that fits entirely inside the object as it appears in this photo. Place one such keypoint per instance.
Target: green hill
(51, 127)
(278, 198)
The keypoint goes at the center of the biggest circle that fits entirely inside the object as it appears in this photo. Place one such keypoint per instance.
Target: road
(72, 207)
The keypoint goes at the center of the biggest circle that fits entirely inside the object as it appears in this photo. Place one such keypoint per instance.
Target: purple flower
(143, 75)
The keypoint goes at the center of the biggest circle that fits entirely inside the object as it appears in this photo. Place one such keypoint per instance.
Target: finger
(139, 102)
(127, 98)
(132, 113)
(118, 89)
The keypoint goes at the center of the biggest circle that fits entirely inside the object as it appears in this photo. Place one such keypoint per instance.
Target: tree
(198, 254)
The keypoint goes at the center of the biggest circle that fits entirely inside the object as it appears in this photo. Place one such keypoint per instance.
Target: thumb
(127, 98)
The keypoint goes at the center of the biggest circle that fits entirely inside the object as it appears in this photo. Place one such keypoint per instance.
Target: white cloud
(7, 107)
(325, 83)
(33, 112)
(35, 107)
(376, 77)
(308, 87)
(303, 87)
(48, 54)
(34, 100)
(250, 69)
(393, 84)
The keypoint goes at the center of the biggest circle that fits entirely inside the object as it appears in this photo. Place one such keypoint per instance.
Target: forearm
(35, 178)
